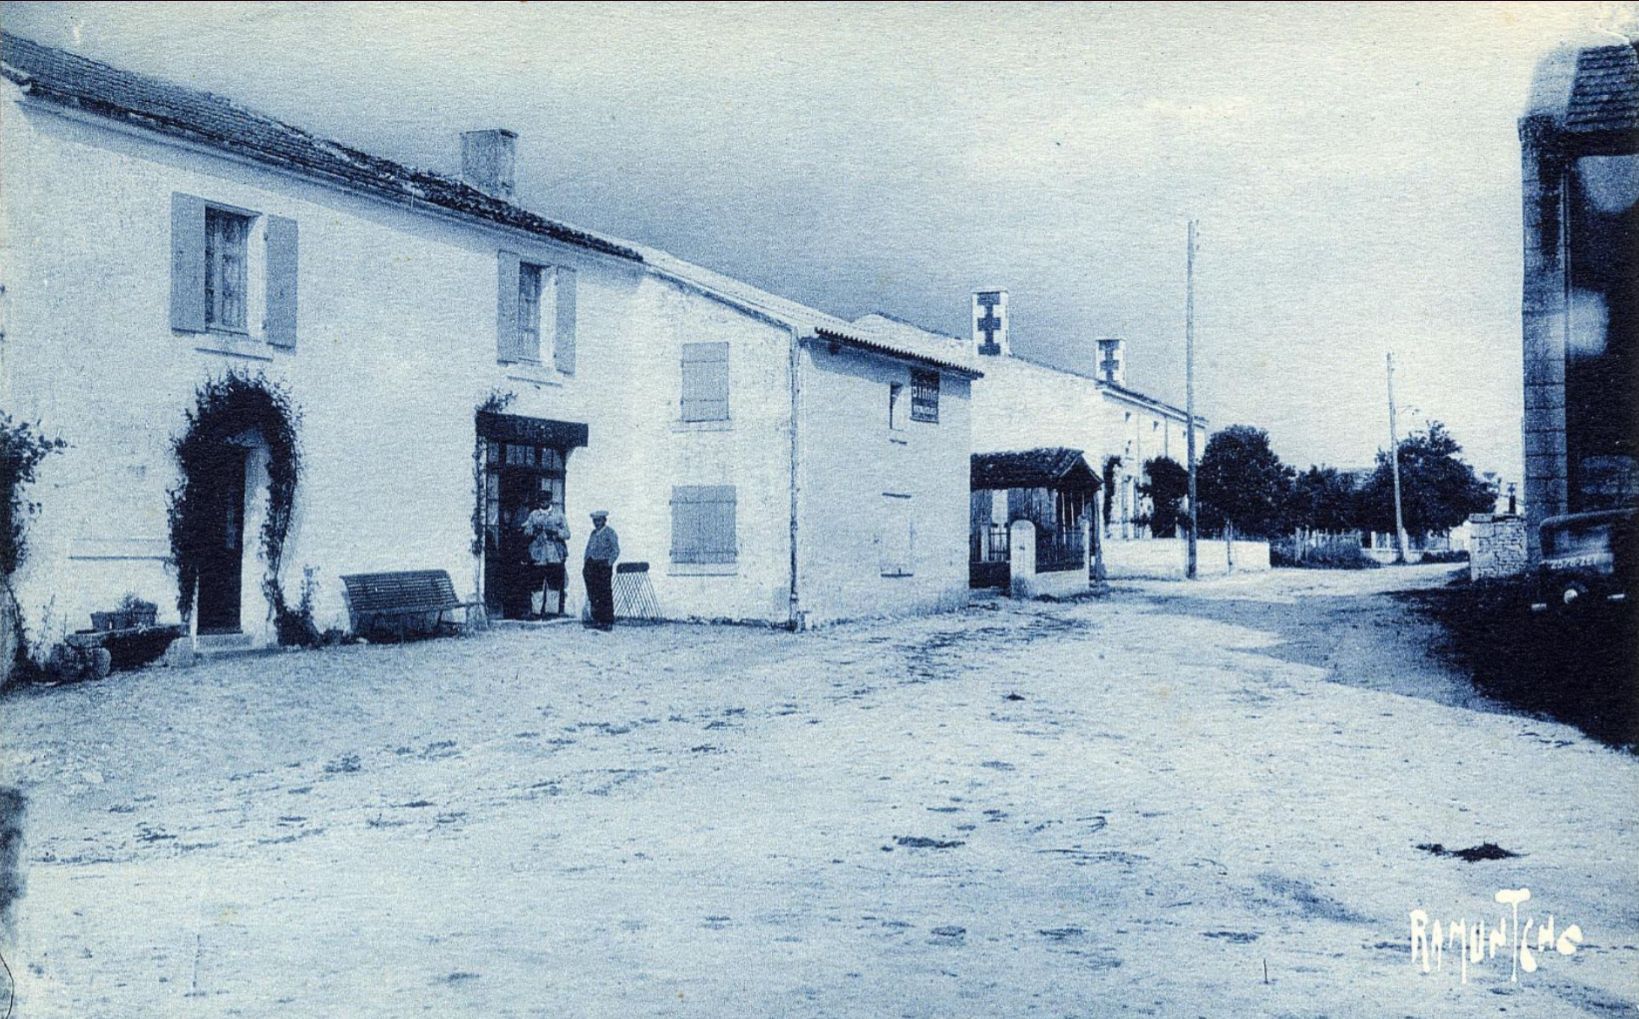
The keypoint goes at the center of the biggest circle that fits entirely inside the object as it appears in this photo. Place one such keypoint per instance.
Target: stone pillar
(1021, 553)
(1545, 322)
(1496, 546)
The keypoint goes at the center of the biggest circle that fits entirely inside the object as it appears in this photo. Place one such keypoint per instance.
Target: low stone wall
(1059, 584)
(1026, 582)
(1165, 558)
(1496, 545)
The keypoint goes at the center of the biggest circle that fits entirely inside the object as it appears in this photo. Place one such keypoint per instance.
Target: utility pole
(1189, 394)
(1394, 464)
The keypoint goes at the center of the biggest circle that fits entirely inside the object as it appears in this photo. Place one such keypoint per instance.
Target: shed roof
(1043, 467)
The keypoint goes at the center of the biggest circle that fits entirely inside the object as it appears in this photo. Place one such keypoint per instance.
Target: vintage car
(1587, 558)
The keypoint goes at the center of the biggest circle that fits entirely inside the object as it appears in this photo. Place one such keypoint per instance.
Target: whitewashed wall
(396, 347)
(844, 434)
(1019, 405)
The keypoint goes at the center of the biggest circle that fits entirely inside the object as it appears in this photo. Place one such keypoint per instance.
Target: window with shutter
(705, 382)
(214, 263)
(703, 524)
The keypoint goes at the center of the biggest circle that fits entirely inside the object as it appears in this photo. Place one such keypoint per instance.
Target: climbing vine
(229, 406)
(22, 448)
(1110, 465)
(495, 403)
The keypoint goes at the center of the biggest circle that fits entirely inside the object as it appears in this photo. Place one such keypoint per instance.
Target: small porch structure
(1053, 490)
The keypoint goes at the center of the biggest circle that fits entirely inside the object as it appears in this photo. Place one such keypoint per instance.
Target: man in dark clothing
(602, 549)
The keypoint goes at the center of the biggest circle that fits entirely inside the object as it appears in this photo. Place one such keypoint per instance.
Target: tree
(1242, 484)
(1324, 499)
(1166, 485)
(1437, 489)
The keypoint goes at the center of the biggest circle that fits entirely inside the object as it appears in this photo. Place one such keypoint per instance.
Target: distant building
(1579, 147)
(446, 354)
(1029, 413)
(1027, 404)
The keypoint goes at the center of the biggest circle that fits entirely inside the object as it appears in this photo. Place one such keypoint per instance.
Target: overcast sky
(1355, 168)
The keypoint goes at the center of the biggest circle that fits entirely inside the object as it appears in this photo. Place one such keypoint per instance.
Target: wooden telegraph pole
(1189, 393)
(1394, 464)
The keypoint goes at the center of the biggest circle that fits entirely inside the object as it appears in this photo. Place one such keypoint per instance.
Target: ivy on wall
(22, 448)
(495, 403)
(227, 407)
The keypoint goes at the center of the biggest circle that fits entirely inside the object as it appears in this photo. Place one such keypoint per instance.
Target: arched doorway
(238, 461)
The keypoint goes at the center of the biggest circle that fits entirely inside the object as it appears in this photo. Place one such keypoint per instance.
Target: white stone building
(1024, 403)
(448, 353)
(1022, 406)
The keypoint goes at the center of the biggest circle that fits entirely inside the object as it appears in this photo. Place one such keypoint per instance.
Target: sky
(1354, 169)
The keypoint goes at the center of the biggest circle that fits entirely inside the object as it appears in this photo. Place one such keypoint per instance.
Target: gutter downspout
(795, 619)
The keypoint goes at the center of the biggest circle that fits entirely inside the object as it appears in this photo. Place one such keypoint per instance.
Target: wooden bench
(400, 597)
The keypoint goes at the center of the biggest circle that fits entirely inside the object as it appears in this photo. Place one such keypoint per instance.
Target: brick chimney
(990, 321)
(1112, 360)
(487, 160)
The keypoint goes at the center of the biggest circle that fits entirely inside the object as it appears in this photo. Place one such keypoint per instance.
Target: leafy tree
(1110, 465)
(1437, 489)
(1324, 499)
(1167, 483)
(1242, 484)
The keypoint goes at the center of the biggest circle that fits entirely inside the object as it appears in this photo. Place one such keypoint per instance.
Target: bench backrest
(406, 591)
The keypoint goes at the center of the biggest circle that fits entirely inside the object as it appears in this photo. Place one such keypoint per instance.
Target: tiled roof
(55, 76)
(1605, 91)
(1119, 390)
(201, 117)
(1046, 467)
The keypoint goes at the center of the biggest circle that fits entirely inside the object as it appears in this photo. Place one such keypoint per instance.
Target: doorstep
(530, 624)
(219, 645)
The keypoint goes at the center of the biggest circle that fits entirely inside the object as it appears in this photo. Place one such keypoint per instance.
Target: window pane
(225, 268)
(529, 310)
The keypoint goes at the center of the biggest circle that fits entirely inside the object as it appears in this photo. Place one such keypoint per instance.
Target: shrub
(1340, 552)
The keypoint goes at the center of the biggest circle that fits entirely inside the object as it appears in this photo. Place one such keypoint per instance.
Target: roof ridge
(208, 118)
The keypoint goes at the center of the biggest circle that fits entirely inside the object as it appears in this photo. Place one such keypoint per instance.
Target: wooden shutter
(563, 338)
(703, 524)
(281, 282)
(187, 263)
(705, 381)
(506, 308)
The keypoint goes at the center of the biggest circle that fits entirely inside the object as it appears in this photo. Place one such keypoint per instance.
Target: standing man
(602, 549)
(548, 532)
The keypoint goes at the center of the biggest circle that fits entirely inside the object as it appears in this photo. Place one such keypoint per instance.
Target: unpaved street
(1175, 801)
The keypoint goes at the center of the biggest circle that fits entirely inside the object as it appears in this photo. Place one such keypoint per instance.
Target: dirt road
(1170, 802)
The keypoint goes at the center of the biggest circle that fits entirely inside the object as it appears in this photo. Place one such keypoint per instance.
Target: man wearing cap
(602, 549)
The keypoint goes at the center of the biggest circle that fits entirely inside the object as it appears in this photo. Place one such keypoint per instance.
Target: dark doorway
(516, 471)
(222, 481)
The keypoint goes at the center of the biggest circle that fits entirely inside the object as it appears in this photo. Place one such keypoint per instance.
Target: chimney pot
(990, 322)
(488, 159)
(1112, 360)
